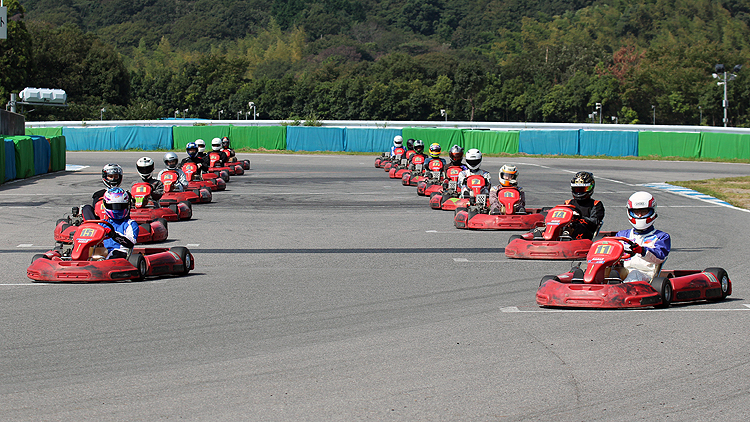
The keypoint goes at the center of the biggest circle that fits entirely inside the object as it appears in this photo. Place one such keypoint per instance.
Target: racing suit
(461, 185)
(413, 166)
(200, 160)
(591, 215)
(182, 182)
(230, 155)
(222, 158)
(157, 188)
(427, 162)
(656, 245)
(125, 227)
(496, 207)
(87, 211)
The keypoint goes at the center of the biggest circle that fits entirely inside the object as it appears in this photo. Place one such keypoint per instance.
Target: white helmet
(508, 175)
(398, 141)
(473, 159)
(145, 166)
(641, 210)
(216, 144)
(201, 145)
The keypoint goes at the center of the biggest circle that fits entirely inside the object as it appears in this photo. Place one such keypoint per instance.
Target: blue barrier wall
(369, 140)
(90, 138)
(314, 138)
(145, 138)
(551, 142)
(42, 154)
(10, 160)
(608, 142)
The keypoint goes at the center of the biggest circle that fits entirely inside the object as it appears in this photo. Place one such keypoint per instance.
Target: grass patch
(735, 190)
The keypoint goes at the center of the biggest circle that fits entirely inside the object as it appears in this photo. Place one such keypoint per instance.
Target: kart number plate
(435, 174)
(481, 199)
(452, 185)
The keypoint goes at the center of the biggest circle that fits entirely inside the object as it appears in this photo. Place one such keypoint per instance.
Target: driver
(216, 148)
(435, 151)
(589, 213)
(473, 161)
(170, 160)
(111, 177)
(194, 156)
(117, 208)
(508, 179)
(418, 152)
(145, 168)
(456, 155)
(398, 142)
(228, 151)
(652, 246)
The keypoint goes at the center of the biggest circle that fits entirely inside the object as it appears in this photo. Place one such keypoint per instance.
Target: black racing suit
(157, 188)
(203, 162)
(591, 216)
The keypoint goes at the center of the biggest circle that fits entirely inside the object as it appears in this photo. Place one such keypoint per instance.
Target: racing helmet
(508, 175)
(216, 144)
(398, 141)
(170, 160)
(410, 144)
(419, 146)
(435, 150)
(192, 149)
(456, 154)
(144, 166)
(582, 185)
(201, 145)
(111, 175)
(473, 159)
(116, 203)
(225, 142)
(641, 210)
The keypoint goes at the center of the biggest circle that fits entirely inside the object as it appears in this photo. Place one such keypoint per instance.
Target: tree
(15, 52)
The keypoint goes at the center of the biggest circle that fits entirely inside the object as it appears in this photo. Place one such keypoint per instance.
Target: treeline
(539, 61)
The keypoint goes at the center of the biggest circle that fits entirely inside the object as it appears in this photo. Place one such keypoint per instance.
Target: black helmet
(410, 144)
(419, 146)
(456, 154)
(582, 185)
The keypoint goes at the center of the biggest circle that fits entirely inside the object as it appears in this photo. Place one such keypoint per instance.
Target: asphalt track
(324, 291)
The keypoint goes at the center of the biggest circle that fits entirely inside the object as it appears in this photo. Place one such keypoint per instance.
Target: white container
(43, 95)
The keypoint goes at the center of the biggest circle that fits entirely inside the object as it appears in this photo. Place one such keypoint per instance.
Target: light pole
(252, 105)
(721, 74)
(653, 117)
(615, 119)
(220, 113)
(444, 113)
(238, 115)
(700, 110)
(184, 116)
(599, 110)
(176, 112)
(101, 113)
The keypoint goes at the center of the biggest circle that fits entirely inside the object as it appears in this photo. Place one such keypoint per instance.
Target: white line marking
(747, 304)
(460, 260)
(74, 167)
(510, 309)
(192, 245)
(25, 245)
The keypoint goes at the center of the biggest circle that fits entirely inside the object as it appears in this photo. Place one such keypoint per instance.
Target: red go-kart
(551, 243)
(600, 285)
(198, 181)
(151, 229)
(397, 170)
(232, 159)
(216, 166)
(478, 217)
(145, 208)
(436, 179)
(84, 260)
(394, 159)
(384, 157)
(416, 162)
(171, 195)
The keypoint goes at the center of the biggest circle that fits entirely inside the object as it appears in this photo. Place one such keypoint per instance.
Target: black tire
(164, 222)
(546, 209)
(174, 208)
(37, 256)
(190, 207)
(664, 286)
(723, 278)
(514, 237)
(145, 227)
(185, 256)
(548, 277)
(139, 262)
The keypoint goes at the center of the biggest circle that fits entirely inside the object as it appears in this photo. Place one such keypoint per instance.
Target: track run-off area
(325, 291)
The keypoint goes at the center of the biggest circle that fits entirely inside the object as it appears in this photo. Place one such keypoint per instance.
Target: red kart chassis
(600, 285)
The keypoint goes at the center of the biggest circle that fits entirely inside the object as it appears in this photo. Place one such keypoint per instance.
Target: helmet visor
(473, 163)
(117, 206)
(580, 190)
(641, 212)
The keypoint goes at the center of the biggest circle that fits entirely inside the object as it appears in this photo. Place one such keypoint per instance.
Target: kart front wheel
(139, 262)
(37, 256)
(514, 237)
(723, 278)
(185, 257)
(664, 286)
(547, 278)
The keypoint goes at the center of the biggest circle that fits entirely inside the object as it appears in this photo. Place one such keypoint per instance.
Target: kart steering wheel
(112, 233)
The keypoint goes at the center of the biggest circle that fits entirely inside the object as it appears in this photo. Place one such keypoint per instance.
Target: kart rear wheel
(547, 278)
(514, 237)
(185, 257)
(664, 286)
(163, 221)
(139, 262)
(723, 278)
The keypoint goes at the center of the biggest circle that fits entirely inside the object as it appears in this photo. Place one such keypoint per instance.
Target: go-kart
(216, 166)
(436, 182)
(397, 171)
(448, 198)
(232, 159)
(151, 230)
(418, 175)
(379, 161)
(172, 195)
(477, 216)
(197, 181)
(600, 284)
(551, 243)
(145, 208)
(394, 159)
(404, 173)
(84, 260)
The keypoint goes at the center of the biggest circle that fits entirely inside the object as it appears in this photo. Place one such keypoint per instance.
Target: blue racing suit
(656, 245)
(125, 227)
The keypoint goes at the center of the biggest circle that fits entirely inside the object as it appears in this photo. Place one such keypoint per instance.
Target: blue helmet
(192, 149)
(117, 204)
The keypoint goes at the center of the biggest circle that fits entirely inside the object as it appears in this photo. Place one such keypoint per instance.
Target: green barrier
(47, 132)
(257, 137)
(24, 156)
(491, 141)
(725, 145)
(445, 137)
(58, 147)
(181, 135)
(669, 144)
